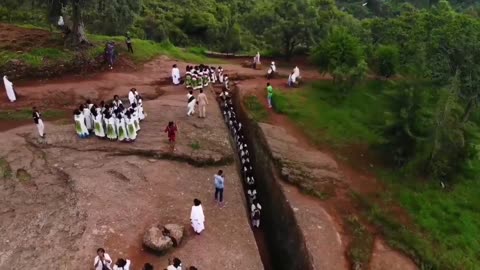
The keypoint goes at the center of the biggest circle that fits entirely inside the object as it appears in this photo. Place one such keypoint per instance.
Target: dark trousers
(219, 194)
(130, 48)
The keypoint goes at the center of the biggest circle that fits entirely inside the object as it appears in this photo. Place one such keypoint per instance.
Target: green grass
(36, 57)
(27, 114)
(318, 110)
(255, 109)
(5, 169)
(145, 50)
(361, 245)
(195, 145)
(446, 222)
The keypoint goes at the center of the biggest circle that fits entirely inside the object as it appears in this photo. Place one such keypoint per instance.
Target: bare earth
(65, 197)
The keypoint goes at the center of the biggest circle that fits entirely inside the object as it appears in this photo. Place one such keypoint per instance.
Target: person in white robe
(292, 80)
(111, 130)
(131, 96)
(131, 130)
(98, 128)
(256, 60)
(37, 118)
(102, 259)
(87, 115)
(116, 102)
(213, 75)
(141, 111)
(121, 127)
(271, 71)
(296, 72)
(255, 213)
(191, 102)
(12, 96)
(175, 75)
(220, 74)
(197, 217)
(80, 127)
(226, 82)
(134, 115)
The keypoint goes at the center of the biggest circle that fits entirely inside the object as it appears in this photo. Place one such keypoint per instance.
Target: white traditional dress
(135, 119)
(197, 218)
(191, 102)
(37, 118)
(98, 125)
(296, 72)
(131, 97)
(99, 266)
(80, 127)
(111, 130)
(9, 89)
(121, 128)
(141, 112)
(131, 130)
(88, 116)
(220, 75)
(175, 76)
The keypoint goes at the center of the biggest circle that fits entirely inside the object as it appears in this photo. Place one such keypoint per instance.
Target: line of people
(113, 121)
(197, 77)
(235, 127)
(103, 261)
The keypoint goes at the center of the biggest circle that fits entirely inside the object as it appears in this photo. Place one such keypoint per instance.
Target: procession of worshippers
(113, 121)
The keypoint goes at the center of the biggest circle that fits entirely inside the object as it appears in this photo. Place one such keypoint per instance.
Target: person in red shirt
(171, 131)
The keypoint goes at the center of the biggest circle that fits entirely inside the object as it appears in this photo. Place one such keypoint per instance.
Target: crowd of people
(113, 121)
(236, 128)
(103, 261)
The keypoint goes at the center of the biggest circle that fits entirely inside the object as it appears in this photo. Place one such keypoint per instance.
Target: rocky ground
(63, 197)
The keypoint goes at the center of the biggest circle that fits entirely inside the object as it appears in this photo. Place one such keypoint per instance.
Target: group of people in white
(113, 121)
(103, 261)
(242, 148)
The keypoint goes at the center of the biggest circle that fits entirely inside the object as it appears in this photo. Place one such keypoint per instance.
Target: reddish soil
(15, 38)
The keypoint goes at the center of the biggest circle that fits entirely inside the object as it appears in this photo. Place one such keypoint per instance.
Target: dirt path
(339, 207)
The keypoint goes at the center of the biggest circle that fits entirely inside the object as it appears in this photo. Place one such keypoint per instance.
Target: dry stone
(155, 240)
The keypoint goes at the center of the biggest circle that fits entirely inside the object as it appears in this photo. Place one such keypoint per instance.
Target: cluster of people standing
(103, 261)
(113, 121)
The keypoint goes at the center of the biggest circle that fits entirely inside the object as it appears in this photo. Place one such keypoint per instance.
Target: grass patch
(195, 145)
(27, 114)
(5, 169)
(317, 110)
(23, 176)
(37, 57)
(145, 50)
(255, 109)
(361, 246)
(446, 222)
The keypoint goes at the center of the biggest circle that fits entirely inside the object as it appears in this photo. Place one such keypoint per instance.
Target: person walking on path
(37, 118)
(269, 95)
(219, 186)
(202, 103)
(128, 40)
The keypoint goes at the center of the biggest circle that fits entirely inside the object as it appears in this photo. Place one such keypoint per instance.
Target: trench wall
(285, 240)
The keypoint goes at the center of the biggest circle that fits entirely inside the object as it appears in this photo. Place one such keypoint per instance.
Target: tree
(385, 60)
(342, 55)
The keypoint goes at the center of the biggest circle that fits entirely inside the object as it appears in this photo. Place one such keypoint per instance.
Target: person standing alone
(269, 95)
(219, 186)
(128, 40)
(37, 118)
(202, 103)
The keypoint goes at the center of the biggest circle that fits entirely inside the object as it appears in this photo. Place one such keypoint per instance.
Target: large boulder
(176, 232)
(161, 238)
(155, 240)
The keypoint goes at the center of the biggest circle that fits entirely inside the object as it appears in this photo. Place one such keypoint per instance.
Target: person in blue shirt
(219, 186)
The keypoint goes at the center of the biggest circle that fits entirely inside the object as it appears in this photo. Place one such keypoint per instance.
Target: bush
(385, 60)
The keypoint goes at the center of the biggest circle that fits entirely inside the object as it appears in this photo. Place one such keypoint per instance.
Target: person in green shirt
(269, 95)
